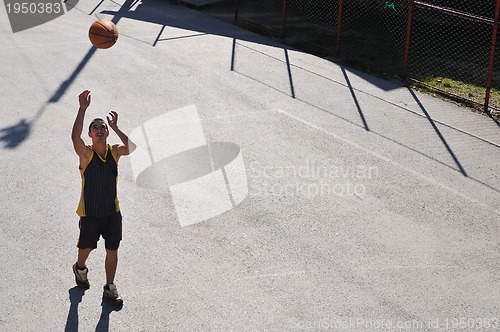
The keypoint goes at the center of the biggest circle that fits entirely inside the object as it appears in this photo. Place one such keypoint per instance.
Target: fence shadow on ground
(448, 43)
(358, 115)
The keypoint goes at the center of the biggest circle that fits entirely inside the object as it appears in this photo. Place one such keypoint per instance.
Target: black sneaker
(81, 277)
(111, 293)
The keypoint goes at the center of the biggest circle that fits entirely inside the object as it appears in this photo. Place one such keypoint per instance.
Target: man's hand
(84, 99)
(120, 149)
(113, 122)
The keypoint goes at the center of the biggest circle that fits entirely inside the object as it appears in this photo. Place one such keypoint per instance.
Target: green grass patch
(465, 94)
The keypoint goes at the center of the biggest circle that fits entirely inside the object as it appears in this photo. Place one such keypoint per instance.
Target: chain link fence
(440, 44)
(450, 46)
(262, 15)
(311, 25)
(372, 36)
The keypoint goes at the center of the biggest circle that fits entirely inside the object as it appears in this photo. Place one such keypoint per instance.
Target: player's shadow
(75, 296)
(107, 309)
(14, 135)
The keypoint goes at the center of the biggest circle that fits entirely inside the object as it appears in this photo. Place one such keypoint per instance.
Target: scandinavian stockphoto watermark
(310, 179)
(488, 323)
(27, 14)
(203, 178)
(208, 178)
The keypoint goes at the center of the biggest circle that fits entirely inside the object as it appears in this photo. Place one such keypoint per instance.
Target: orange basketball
(103, 34)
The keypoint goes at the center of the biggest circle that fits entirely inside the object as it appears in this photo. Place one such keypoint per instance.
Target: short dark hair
(95, 120)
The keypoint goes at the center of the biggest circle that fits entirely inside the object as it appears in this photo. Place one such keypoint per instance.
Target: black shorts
(91, 228)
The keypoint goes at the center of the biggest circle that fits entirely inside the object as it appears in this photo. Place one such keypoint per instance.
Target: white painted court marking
(386, 159)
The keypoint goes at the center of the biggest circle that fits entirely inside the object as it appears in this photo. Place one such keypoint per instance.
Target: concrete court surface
(367, 206)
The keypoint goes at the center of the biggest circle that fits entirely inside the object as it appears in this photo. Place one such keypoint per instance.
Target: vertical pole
(283, 21)
(233, 54)
(407, 42)
(236, 7)
(290, 78)
(492, 58)
(339, 29)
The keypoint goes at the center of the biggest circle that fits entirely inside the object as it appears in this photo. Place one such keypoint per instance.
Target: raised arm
(76, 133)
(128, 146)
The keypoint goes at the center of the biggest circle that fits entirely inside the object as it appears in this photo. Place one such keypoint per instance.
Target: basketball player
(99, 209)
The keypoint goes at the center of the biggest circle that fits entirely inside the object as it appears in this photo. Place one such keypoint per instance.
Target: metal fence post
(339, 29)
(236, 7)
(407, 42)
(492, 58)
(283, 21)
